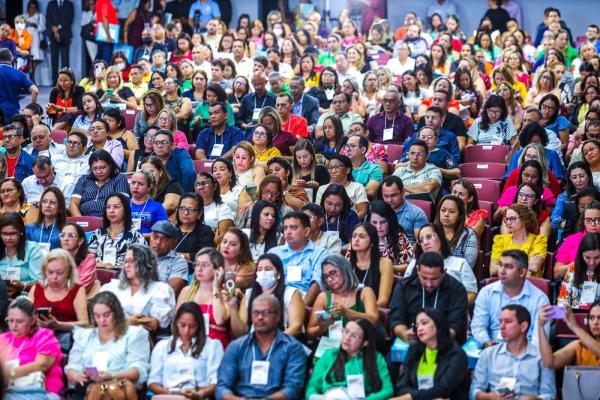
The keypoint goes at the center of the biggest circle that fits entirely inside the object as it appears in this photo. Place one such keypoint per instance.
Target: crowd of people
(198, 218)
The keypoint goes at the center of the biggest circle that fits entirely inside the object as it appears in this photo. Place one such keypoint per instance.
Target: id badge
(255, 114)
(206, 318)
(13, 273)
(294, 273)
(336, 330)
(185, 370)
(329, 94)
(217, 150)
(137, 223)
(45, 248)
(260, 373)
(110, 256)
(100, 360)
(9, 364)
(588, 292)
(335, 234)
(356, 386)
(507, 383)
(388, 134)
(425, 381)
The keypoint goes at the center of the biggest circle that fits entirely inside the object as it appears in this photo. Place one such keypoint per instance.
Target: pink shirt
(26, 349)
(87, 271)
(181, 140)
(508, 195)
(567, 252)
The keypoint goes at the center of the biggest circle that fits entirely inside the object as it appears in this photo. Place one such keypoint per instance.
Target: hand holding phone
(323, 315)
(556, 312)
(43, 312)
(91, 372)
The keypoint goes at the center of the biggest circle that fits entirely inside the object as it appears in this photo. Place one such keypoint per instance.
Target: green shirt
(202, 110)
(326, 58)
(318, 383)
(368, 171)
(427, 363)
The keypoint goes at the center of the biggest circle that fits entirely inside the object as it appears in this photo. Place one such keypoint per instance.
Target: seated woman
(579, 176)
(117, 350)
(92, 110)
(342, 298)
(591, 156)
(293, 195)
(308, 174)
(586, 268)
(247, 173)
(550, 106)
(91, 191)
(363, 254)
(431, 238)
(393, 242)
(269, 279)
(60, 291)
(340, 171)
(450, 215)
(188, 342)
(145, 148)
(589, 222)
(232, 193)
(283, 140)
(100, 140)
(116, 92)
(475, 217)
(117, 130)
(168, 191)
(494, 126)
(263, 233)
(45, 233)
(530, 196)
(205, 291)
(435, 366)
(331, 141)
(73, 240)
(152, 103)
(166, 119)
(20, 259)
(179, 105)
(376, 152)
(238, 258)
(29, 349)
(213, 93)
(64, 101)
(145, 300)
(585, 351)
(327, 86)
(262, 143)
(144, 211)
(316, 214)
(194, 233)
(270, 189)
(521, 223)
(12, 199)
(534, 152)
(217, 215)
(110, 242)
(530, 172)
(356, 356)
(340, 218)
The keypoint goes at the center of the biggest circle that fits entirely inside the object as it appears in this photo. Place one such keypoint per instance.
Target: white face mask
(120, 66)
(266, 279)
(20, 27)
(278, 32)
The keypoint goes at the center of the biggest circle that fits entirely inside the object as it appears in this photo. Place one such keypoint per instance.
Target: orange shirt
(23, 41)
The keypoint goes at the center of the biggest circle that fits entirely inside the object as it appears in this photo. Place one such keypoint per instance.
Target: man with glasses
(301, 258)
(421, 180)
(42, 178)
(42, 143)
(512, 287)
(294, 124)
(391, 126)
(149, 46)
(177, 160)
(253, 103)
(451, 122)
(73, 164)
(18, 161)
(172, 267)
(265, 363)
(368, 174)
(342, 66)
(220, 139)
(341, 107)
(304, 105)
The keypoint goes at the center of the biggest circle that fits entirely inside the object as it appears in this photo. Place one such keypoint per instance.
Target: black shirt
(452, 123)
(202, 236)
(171, 187)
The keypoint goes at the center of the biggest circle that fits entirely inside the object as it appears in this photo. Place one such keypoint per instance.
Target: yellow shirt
(535, 244)
(267, 154)
(138, 90)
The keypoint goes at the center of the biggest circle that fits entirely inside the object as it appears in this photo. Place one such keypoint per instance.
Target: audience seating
(563, 331)
(487, 189)
(424, 205)
(394, 152)
(89, 224)
(486, 153)
(129, 116)
(489, 207)
(192, 150)
(106, 275)
(382, 58)
(58, 136)
(203, 165)
(482, 170)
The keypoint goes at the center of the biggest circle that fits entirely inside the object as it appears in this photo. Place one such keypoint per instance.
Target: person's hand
(218, 279)
(338, 310)
(36, 119)
(234, 301)
(47, 322)
(570, 318)
(534, 262)
(78, 378)
(134, 319)
(411, 335)
(301, 183)
(507, 396)
(103, 377)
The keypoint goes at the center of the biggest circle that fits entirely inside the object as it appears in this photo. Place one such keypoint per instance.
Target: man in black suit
(305, 105)
(59, 18)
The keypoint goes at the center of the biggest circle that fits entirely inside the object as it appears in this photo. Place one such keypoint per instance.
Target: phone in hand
(91, 372)
(557, 312)
(323, 315)
(44, 311)
(504, 391)
(109, 92)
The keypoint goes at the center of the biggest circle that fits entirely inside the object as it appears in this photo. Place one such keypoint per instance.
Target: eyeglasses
(389, 101)
(547, 107)
(6, 191)
(494, 113)
(426, 238)
(334, 167)
(148, 105)
(267, 192)
(591, 221)
(509, 220)
(161, 142)
(260, 134)
(164, 119)
(188, 210)
(73, 143)
(589, 151)
(11, 137)
(428, 137)
(150, 137)
(330, 275)
(263, 313)
(69, 235)
(48, 202)
(200, 185)
(9, 234)
(526, 196)
(353, 336)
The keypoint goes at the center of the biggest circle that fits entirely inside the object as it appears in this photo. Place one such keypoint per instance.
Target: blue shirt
(13, 82)
(207, 139)
(92, 198)
(181, 168)
(411, 217)
(30, 269)
(446, 140)
(149, 213)
(208, 10)
(552, 159)
(39, 233)
(287, 368)
(310, 259)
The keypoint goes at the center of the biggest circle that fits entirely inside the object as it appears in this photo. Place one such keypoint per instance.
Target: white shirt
(258, 250)
(172, 368)
(456, 267)
(231, 198)
(213, 214)
(54, 150)
(206, 67)
(397, 68)
(69, 170)
(157, 301)
(355, 191)
(33, 190)
(244, 67)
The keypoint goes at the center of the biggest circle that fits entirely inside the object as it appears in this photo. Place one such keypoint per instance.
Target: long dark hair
(372, 275)
(467, 184)
(127, 222)
(337, 373)
(230, 168)
(217, 194)
(386, 211)
(83, 251)
(459, 227)
(534, 164)
(279, 291)
(590, 241)
(492, 101)
(270, 239)
(443, 338)
(13, 219)
(439, 231)
(537, 207)
(61, 215)
(586, 168)
(103, 155)
(556, 102)
(197, 345)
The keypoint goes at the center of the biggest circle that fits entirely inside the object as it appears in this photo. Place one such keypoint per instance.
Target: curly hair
(146, 265)
(527, 216)
(111, 301)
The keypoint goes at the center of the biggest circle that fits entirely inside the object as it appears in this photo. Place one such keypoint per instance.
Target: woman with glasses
(52, 216)
(529, 195)
(152, 103)
(262, 143)
(116, 92)
(327, 86)
(494, 126)
(73, 240)
(110, 242)
(217, 215)
(579, 176)
(91, 191)
(552, 118)
(157, 79)
(591, 156)
(531, 171)
(193, 232)
(145, 148)
(181, 106)
(12, 199)
(589, 223)
(521, 223)
(283, 140)
(168, 120)
(100, 140)
(340, 218)
(546, 84)
(168, 191)
(145, 211)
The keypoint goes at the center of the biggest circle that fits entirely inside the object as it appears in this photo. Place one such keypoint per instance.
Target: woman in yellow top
(504, 73)
(262, 143)
(306, 68)
(521, 223)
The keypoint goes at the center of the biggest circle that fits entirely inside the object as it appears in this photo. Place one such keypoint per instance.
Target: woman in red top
(66, 99)
(60, 292)
(184, 48)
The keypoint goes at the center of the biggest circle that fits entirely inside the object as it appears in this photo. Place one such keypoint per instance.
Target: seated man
(253, 103)
(364, 172)
(42, 143)
(294, 124)
(513, 368)
(512, 287)
(73, 164)
(220, 139)
(264, 363)
(177, 160)
(421, 180)
(42, 178)
(172, 267)
(341, 107)
(391, 126)
(429, 287)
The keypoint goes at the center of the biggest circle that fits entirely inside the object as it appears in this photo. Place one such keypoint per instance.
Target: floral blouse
(569, 294)
(406, 251)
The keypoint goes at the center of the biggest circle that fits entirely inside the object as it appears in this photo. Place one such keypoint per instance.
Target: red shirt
(12, 163)
(296, 125)
(105, 9)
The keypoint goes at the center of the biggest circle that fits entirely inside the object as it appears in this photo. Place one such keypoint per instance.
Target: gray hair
(394, 90)
(275, 75)
(268, 298)
(345, 268)
(146, 265)
(298, 79)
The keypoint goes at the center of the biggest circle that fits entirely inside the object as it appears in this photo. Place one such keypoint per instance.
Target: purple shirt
(403, 128)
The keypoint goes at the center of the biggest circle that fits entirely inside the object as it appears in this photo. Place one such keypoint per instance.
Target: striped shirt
(92, 197)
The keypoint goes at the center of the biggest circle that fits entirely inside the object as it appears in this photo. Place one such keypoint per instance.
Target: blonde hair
(247, 147)
(172, 117)
(541, 151)
(361, 59)
(113, 70)
(61, 254)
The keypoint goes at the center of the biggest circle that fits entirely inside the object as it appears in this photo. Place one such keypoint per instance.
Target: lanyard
(327, 223)
(42, 233)
(385, 122)
(182, 239)
(263, 103)
(143, 208)
(268, 353)
(437, 292)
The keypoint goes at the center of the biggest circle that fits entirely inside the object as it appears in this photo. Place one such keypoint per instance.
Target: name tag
(335, 234)
(260, 373)
(588, 292)
(425, 382)
(13, 273)
(110, 256)
(356, 386)
(45, 248)
(255, 114)
(217, 150)
(507, 383)
(294, 273)
(137, 223)
(388, 134)
(329, 94)
(336, 330)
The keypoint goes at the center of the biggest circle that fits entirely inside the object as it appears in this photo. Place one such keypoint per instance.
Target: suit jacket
(139, 52)
(310, 109)
(62, 16)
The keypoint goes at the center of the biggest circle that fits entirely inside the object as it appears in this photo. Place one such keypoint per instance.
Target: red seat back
(489, 207)
(482, 170)
(424, 205)
(203, 165)
(394, 151)
(192, 150)
(89, 224)
(486, 153)
(58, 136)
(106, 275)
(129, 116)
(487, 189)
(564, 332)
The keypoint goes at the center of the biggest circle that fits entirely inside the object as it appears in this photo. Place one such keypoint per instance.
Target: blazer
(310, 109)
(450, 379)
(62, 16)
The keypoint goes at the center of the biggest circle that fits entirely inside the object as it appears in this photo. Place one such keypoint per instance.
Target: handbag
(87, 31)
(121, 389)
(35, 380)
(581, 383)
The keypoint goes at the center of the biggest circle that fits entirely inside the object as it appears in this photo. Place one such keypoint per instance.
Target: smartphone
(230, 283)
(323, 315)
(504, 391)
(91, 372)
(44, 311)
(557, 312)
(109, 91)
